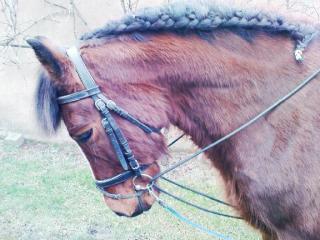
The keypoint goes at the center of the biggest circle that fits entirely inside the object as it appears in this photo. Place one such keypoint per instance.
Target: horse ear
(50, 56)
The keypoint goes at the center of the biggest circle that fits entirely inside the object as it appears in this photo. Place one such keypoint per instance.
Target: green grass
(47, 192)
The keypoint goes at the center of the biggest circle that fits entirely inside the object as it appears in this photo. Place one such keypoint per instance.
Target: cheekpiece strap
(82, 70)
(117, 138)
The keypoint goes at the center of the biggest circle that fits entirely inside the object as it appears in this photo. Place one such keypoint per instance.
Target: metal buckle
(100, 104)
(134, 165)
(138, 187)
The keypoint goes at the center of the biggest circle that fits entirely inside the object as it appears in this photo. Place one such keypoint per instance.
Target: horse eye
(84, 137)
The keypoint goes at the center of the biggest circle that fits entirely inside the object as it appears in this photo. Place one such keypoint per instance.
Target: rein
(131, 167)
(242, 127)
(160, 175)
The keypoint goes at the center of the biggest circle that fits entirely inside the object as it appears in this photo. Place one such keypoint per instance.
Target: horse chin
(136, 204)
(139, 211)
(130, 207)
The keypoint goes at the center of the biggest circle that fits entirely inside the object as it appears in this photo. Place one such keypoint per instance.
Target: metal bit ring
(138, 187)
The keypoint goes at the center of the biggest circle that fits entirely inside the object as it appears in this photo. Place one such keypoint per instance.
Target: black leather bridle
(131, 167)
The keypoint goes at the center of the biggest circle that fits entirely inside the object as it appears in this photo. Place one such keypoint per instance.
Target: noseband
(131, 167)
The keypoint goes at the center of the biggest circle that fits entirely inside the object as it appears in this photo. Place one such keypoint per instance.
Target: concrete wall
(18, 66)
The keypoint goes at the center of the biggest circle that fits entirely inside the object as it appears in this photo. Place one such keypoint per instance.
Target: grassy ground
(46, 192)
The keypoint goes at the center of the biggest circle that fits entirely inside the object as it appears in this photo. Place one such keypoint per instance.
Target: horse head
(146, 103)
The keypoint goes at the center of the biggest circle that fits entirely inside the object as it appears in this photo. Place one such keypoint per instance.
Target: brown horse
(205, 71)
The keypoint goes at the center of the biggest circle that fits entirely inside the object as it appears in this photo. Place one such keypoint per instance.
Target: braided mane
(199, 16)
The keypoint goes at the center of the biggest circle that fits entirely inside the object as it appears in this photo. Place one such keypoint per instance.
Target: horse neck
(215, 87)
(212, 86)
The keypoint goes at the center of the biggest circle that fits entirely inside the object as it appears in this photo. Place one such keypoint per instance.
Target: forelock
(47, 107)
